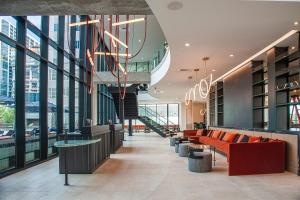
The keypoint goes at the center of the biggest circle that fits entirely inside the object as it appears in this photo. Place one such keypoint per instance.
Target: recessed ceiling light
(213, 70)
(293, 47)
(140, 41)
(187, 44)
(175, 5)
(231, 55)
(184, 70)
(296, 23)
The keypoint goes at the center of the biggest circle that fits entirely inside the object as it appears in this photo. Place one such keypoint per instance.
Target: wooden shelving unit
(259, 94)
(212, 105)
(220, 104)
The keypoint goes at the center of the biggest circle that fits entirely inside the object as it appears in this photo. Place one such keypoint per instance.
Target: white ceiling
(217, 28)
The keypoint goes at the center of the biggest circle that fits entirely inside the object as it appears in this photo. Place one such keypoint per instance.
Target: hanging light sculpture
(203, 86)
(111, 51)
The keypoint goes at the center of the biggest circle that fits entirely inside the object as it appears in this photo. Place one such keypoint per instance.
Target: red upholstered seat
(253, 157)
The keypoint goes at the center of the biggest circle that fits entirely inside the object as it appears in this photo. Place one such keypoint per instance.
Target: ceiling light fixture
(114, 43)
(128, 22)
(84, 22)
(293, 47)
(187, 44)
(111, 54)
(203, 86)
(122, 68)
(90, 57)
(231, 55)
(116, 39)
(257, 54)
(213, 70)
(296, 23)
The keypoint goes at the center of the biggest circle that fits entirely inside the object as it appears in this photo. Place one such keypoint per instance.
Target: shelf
(260, 107)
(287, 104)
(220, 104)
(288, 89)
(282, 73)
(258, 68)
(220, 112)
(220, 96)
(287, 57)
(260, 82)
(260, 95)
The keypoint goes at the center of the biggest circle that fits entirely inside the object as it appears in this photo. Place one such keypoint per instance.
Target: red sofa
(255, 156)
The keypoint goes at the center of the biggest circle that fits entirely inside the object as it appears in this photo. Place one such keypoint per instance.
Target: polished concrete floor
(147, 168)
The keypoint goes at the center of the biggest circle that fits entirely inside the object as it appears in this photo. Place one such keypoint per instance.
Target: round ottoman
(176, 147)
(200, 162)
(172, 141)
(183, 149)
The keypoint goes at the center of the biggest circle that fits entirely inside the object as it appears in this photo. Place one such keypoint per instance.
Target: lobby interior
(144, 99)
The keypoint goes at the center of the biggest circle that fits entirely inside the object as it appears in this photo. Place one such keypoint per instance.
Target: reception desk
(87, 158)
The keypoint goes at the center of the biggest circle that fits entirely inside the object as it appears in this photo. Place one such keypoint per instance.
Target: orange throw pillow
(240, 139)
(216, 134)
(199, 132)
(229, 137)
(254, 139)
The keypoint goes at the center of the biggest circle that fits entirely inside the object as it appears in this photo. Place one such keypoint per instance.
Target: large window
(8, 26)
(32, 109)
(51, 110)
(53, 28)
(33, 42)
(7, 107)
(76, 105)
(66, 103)
(52, 55)
(38, 99)
(35, 20)
(174, 114)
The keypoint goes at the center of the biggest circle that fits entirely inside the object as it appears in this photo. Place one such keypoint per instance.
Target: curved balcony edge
(161, 69)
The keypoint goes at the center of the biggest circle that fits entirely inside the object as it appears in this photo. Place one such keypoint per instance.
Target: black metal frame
(84, 97)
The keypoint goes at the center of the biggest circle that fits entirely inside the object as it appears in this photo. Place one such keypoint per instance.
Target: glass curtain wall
(106, 107)
(25, 66)
(7, 95)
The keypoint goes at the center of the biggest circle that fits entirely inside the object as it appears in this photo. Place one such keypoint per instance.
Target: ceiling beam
(74, 7)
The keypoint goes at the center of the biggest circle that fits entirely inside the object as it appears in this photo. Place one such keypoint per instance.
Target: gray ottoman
(200, 162)
(173, 140)
(176, 147)
(183, 149)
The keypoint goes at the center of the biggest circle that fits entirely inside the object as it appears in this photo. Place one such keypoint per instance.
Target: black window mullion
(20, 92)
(43, 91)
(82, 55)
(60, 76)
(72, 80)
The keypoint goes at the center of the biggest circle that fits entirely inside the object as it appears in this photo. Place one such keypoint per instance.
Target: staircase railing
(156, 118)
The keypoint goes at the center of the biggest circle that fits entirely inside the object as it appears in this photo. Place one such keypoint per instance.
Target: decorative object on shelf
(202, 87)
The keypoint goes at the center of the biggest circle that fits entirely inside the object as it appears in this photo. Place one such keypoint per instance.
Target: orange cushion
(240, 139)
(221, 135)
(254, 139)
(229, 137)
(216, 134)
(210, 133)
(199, 132)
